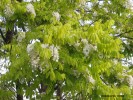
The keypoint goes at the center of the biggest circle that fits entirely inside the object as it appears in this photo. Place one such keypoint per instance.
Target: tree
(66, 49)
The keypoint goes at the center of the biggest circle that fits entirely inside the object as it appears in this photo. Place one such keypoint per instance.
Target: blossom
(129, 4)
(21, 36)
(30, 47)
(56, 15)
(86, 49)
(8, 11)
(130, 81)
(120, 76)
(55, 53)
(84, 41)
(95, 13)
(34, 57)
(95, 48)
(30, 9)
(121, 93)
(77, 44)
(91, 80)
(105, 9)
(82, 2)
(115, 61)
(51, 48)
(34, 61)
(44, 45)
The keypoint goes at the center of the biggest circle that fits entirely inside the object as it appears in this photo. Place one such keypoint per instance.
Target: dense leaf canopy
(66, 49)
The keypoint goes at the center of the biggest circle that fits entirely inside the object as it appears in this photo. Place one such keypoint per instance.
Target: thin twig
(2, 35)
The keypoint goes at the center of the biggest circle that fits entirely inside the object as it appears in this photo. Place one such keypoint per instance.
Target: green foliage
(69, 58)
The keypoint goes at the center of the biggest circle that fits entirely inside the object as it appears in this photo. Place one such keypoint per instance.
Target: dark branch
(59, 94)
(19, 96)
(15, 29)
(103, 80)
(9, 36)
(128, 37)
(19, 0)
(124, 33)
(2, 35)
(23, 28)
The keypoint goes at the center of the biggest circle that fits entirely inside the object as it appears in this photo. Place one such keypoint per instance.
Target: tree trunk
(59, 97)
(9, 36)
(19, 96)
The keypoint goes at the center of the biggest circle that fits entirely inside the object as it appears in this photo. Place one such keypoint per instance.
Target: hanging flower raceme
(33, 55)
(82, 2)
(30, 47)
(53, 49)
(91, 80)
(77, 44)
(56, 15)
(30, 9)
(21, 36)
(87, 47)
(86, 50)
(130, 81)
(44, 45)
(129, 4)
(8, 11)
(84, 41)
(115, 61)
(35, 61)
(55, 53)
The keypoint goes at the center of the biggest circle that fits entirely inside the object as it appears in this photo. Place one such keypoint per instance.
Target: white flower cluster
(91, 80)
(30, 9)
(77, 44)
(84, 41)
(8, 11)
(33, 55)
(87, 47)
(130, 81)
(30, 48)
(21, 36)
(55, 52)
(86, 50)
(129, 4)
(82, 2)
(125, 77)
(35, 61)
(56, 15)
(44, 45)
(115, 61)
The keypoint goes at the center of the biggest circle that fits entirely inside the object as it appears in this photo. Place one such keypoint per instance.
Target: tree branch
(124, 33)
(9, 36)
(15, 29)
(59, 94)
(19, 96)
(2, 35)
(128, 37)
(19, 0)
